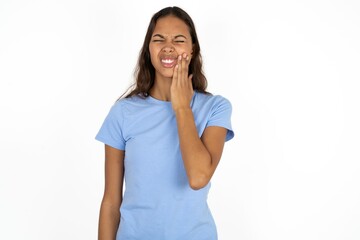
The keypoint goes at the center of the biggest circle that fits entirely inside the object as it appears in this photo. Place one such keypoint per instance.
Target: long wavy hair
(145, 72)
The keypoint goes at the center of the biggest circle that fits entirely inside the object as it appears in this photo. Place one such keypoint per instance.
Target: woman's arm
(200, 155)
(109, 212)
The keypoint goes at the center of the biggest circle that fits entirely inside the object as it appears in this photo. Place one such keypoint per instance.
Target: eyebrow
(158, 35)
(161, 36)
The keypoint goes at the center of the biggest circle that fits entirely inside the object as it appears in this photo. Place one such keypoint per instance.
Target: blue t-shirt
(158, 203)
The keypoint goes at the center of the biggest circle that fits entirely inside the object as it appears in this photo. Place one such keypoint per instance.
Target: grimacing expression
(171, 38)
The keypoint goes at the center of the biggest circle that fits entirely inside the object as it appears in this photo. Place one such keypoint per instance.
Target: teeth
(167, 60)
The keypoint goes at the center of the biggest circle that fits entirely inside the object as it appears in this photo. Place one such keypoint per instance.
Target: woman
(165, 139)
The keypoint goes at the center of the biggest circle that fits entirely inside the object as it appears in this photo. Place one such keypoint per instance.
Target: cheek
(151, 51)
(153, 54)
(185, 49)
(153, 61)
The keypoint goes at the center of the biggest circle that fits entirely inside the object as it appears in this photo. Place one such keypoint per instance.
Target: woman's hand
(181, 86)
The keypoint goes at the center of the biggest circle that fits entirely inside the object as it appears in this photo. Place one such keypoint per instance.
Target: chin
(167, 74)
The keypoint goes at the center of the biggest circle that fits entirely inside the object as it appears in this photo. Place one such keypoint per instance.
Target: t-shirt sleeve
(221, 116)
(111, 132)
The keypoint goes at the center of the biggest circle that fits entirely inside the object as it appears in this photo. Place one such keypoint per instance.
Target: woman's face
(171, 38)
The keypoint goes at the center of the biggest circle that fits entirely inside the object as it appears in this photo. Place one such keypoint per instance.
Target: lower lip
(168, 65)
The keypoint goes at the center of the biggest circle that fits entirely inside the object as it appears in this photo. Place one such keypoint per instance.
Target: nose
(168, 48)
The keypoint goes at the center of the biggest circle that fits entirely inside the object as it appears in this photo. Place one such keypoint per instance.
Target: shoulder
(126, 105)
(210, 100)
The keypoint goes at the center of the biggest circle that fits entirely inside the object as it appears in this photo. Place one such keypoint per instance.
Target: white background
(290, 69)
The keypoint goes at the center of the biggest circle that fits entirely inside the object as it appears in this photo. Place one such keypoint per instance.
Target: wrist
(182, 110)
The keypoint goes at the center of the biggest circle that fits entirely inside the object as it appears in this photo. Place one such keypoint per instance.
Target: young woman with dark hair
(164, 138)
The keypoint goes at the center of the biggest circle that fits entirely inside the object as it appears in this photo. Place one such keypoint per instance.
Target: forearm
(108, 221)
(197, 159)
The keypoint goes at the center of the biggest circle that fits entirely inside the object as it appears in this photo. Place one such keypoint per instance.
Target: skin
(171, 40)
(109, 211)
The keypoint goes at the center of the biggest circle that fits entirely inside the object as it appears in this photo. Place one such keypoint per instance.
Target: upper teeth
(167, 60)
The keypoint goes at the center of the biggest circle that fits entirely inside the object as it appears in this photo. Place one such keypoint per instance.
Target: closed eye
(180, 38)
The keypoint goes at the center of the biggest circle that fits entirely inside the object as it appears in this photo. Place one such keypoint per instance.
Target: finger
(184, 69)
(175, 75)
(190, 81)
(184, 66)
(180, 72)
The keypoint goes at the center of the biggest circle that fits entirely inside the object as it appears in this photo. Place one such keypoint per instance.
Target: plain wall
(290, 69)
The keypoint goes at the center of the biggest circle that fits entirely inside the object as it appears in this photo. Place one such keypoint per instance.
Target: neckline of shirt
(167, 103)
(157, 101)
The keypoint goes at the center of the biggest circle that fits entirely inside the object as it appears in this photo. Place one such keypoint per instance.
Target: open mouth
(168, 62)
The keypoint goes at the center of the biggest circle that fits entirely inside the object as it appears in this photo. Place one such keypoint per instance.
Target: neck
(161, 89)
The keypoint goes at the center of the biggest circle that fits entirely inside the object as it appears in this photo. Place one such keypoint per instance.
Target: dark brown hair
(145, 72)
